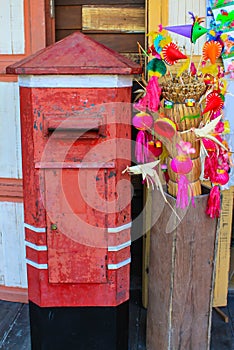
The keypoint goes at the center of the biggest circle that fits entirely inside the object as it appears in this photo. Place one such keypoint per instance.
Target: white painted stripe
(39, 248)
(36, 265)
(120, 264)
(119, 228)
(119, 247)
(35, 229)
(73, 81)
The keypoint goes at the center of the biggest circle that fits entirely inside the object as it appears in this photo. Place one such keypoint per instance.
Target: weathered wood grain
(68, 17)
(99, 2)
(131, 19)
(223, 261)
(146, 244)
(159, 279)
(18, 336)
(62, 33)
(11, 190)
(115, 41)
(8, 312)
(180, 277)
(119, 42)
(14, 294)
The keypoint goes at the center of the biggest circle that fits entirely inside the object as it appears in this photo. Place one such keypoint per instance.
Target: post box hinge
(52, 9)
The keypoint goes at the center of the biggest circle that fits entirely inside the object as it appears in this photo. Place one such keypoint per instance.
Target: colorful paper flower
(211, 51)
(171, 54)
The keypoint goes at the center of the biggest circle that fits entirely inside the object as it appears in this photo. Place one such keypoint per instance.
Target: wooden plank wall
(117, 24)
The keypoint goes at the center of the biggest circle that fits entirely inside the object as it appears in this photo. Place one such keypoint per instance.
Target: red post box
(76, 139)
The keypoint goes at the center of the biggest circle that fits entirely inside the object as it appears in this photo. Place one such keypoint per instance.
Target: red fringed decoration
(141, 149)
(211, 166)
(184, 187)
(213, 204)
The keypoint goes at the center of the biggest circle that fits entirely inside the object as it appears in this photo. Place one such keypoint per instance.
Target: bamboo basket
(173, 188)
(179, 90)
(186, 118)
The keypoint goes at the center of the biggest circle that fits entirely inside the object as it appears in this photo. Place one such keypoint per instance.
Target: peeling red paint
(71, 182)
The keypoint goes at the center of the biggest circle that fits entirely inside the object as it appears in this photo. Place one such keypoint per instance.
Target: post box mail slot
(74, 125)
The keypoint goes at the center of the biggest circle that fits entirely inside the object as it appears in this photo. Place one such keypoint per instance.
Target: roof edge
(130, 67)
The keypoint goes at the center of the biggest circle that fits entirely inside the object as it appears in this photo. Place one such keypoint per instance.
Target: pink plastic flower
(185, 148)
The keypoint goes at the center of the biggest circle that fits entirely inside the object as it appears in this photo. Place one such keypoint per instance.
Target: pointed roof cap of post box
(75, 54)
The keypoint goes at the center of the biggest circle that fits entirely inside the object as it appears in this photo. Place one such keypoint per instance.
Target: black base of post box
(79, 328)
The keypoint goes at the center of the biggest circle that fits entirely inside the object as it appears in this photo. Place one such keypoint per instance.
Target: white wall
(12, 27)
(12, 248)
(10, 144)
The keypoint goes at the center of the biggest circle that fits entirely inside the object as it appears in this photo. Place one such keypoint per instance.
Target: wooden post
(182, 256)
(146, 244)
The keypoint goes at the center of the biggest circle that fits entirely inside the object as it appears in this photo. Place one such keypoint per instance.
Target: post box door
(76, 215)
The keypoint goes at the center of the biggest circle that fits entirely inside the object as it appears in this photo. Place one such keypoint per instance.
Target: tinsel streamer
(211, 165)
(184, 188)
(141, 149)
(213, 205)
